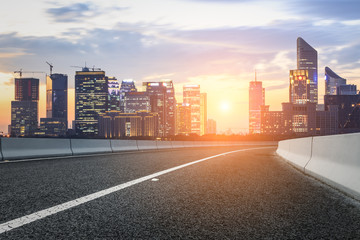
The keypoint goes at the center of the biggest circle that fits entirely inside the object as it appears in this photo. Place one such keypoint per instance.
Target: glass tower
(256, 99)
(57, 96)
(127, 85)
(191, 96)
(332, 82)
(114, 94)
(307, 60)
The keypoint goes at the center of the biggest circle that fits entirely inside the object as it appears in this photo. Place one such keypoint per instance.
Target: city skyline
(127, 41)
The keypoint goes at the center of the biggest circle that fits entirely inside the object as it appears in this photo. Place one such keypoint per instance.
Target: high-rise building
(136, 101)
(57, 96)
(183, 118)
(203, 112)
(162, 101)
(26, 89)
(91, 100)
(114, 124)
(191, 96)
(24, 118)
(211, 126)
(299, 88)
(256, 99)
(332, 82)
(52, 127)
(127, 85)
(114, 94)
(24, 111)
(348, 89)
(307, 60)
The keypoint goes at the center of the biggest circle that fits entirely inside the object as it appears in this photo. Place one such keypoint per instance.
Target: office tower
(24, 111)
(114, 94)
(26, 89)
(256, 99)
(183, 118)
(52, 127)
(332, 81)
(211, 126)
(136, 101)
(114, 124)
(307, 60)
(127, 85)
(191, 96)
(301, 117)
(348, 89)
(24, 118)
(91, 100)
(57, 96)
(203, 112)
(300, 87)
(162, 101)
(272, 122)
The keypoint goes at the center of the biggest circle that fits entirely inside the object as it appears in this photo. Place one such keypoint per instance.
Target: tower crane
(20, 72)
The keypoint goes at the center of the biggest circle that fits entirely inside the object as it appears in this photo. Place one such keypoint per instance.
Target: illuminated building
(26, 89)
(91, 100)
(256, 99)
(332, 82)
(300, 117)
(57, 96)
(203, 112)
(191, 96)
(52, 127)
(162, 101)
(24, 111)
(114, 124)
(183, 118)
(299, 88)
(273, 122)
(24, 118)
(307, 60)
(114, 94)
(127, 85)
(211, 126)
(136, 101)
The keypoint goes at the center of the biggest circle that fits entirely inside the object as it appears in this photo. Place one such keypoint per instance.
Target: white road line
(7, 226)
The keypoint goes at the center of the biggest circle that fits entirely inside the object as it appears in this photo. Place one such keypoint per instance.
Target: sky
(215, 43)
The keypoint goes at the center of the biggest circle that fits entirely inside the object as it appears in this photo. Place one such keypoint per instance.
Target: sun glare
(225, 106)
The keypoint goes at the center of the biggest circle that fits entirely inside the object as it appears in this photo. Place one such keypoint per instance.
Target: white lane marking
(18, 222)
(155, 179)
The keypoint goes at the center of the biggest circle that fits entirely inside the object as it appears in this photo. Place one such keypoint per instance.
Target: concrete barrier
(123, 145)
(299, 151)
(336, 160)
(188, 144)
(89, 146)
(22, 148)
(1, 155)
(163, 144)
(146, 145)
(177, 144)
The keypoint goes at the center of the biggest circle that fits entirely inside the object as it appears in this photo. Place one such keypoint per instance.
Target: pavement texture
(246, 195)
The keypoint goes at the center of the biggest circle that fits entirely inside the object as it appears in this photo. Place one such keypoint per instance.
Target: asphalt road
(250, 194)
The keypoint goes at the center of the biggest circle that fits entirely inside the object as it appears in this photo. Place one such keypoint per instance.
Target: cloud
(71, 13)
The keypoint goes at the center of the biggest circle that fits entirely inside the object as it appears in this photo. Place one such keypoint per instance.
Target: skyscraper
(332, 82)
(191, 96)
(91, 100)
(256, 99)
(127, 85)
(307, 60)
(137, 101)
(300, 87)
(57, 96)
(203, 112)
(211, 126)
(183, 118)
(162, 101)
(24, 111)
(114, 94)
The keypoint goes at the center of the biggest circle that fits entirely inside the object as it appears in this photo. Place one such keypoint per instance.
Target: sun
(225, 106)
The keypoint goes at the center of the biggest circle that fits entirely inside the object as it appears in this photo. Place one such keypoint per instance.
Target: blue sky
(217, 44)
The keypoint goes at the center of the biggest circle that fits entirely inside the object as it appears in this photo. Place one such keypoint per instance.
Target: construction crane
(20, 72)
(51, 67)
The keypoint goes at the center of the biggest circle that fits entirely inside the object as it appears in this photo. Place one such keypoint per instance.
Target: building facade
(183, 119)
(211, 126)
(127, 85)
(136, 101)
(300, 87)
(203, 112)
(114, 94)
(91, 100)
(307, 59)
(256, 99)
(332, 82)
(114, 124)
(191, 96)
